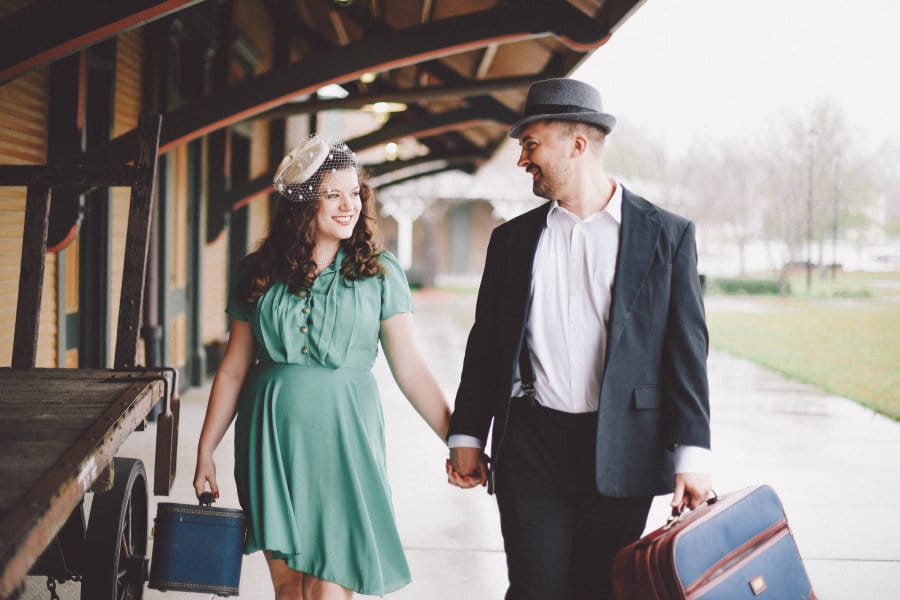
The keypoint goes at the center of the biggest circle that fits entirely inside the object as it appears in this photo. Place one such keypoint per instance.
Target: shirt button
(304, 329)
(305, 350)
(301, 294)
(305, 309)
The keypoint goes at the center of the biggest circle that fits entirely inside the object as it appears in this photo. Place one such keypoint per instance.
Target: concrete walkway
(835, 465)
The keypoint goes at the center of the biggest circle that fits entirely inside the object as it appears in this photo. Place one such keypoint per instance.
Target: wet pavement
(834, 464)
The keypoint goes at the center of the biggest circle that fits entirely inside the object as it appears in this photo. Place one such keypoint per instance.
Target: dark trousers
(559, 533)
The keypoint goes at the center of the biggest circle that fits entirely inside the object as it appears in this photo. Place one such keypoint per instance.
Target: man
(588, 354)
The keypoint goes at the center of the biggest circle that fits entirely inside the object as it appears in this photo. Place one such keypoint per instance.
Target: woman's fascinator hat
(298, 176)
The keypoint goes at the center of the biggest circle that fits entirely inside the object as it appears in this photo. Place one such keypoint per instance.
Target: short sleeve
(235, 309)
(395, 294)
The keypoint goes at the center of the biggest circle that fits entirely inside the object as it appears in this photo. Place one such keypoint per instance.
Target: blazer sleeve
(685, 350)
(482, 374)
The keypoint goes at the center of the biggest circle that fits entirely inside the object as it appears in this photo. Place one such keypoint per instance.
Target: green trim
(73, 330)
(196, 236)
(62, 330)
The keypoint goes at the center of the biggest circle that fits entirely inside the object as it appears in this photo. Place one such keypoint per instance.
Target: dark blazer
(654, 393)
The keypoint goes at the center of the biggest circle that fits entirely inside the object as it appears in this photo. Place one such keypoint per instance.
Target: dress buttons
(305, 350)
(304, 329)
(305, 309)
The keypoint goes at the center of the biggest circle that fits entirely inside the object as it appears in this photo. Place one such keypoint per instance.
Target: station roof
(460, 67)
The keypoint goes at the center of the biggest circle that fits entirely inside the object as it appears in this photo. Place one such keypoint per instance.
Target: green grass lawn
(844, 337)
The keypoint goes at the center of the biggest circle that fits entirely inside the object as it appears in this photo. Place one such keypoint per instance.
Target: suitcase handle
(206, 499)
(678, 515)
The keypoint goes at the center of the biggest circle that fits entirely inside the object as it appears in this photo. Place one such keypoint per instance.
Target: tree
(725, 188)
(818, 182)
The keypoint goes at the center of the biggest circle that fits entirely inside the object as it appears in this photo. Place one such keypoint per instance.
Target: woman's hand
(223, 400)
(205, 473)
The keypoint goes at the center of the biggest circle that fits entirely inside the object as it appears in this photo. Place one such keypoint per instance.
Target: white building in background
(440, 225)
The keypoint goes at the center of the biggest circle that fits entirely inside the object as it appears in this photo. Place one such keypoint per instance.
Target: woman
(312, 304)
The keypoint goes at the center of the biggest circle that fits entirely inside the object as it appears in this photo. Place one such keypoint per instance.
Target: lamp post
(811, 141)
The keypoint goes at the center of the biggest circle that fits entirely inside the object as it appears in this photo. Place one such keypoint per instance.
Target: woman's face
(339, 205)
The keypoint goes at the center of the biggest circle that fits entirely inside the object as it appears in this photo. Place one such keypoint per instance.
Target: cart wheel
(117, 537)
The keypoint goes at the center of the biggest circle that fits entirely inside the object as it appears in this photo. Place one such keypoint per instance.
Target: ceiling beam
(470, 169)
(262, 186)
(383, 168)
(432, 125)
(487, 60)
(437, 92)
(384, 52)
(48, 31)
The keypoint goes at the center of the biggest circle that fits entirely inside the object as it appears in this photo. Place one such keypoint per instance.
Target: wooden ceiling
(462, 67)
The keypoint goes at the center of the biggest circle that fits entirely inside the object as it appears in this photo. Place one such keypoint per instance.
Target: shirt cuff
(692, 459)
(459, 440)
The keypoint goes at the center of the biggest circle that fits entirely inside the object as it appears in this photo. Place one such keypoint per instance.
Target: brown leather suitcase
(734, 548)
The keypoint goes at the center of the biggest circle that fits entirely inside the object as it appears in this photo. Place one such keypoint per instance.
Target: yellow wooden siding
(72, 272)
(178, 205)
(178, 341)
(71, 359)
(176, 251)
(259, 222)
(258, 225)
(215, 290)
(23, 141)
(127, 107)
(47, 330)
(129, 55)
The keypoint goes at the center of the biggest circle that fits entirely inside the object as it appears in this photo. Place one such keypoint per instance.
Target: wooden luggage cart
(60, 428)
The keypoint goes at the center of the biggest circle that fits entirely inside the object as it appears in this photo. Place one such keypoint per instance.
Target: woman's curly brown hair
(287, 253)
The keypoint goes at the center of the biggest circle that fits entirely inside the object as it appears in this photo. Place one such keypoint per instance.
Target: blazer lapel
(523, 245)
(637, 243)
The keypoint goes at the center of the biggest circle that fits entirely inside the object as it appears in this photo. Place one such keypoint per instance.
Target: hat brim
(604, 121)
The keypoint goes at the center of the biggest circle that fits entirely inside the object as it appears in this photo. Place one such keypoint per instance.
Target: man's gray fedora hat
(563, 99)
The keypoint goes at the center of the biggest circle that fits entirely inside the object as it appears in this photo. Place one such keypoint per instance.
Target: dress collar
(336, 264)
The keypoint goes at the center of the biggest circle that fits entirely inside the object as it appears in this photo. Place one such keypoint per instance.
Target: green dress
(309, 435)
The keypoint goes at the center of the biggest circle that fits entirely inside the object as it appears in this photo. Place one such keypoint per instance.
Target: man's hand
(467, 467)
(691, 490)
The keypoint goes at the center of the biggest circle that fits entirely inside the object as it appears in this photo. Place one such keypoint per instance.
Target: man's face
(545, 157)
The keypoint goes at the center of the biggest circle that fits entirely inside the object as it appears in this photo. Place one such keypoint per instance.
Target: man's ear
(579, 145)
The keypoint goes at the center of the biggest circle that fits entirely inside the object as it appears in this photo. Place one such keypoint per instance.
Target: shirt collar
(613, 208)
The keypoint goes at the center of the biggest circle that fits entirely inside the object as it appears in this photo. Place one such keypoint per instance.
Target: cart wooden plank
(59, 431)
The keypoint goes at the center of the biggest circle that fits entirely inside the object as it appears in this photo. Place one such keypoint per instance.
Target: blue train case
(198, 548)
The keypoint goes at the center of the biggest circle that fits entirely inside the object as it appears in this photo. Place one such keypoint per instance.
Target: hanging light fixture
(384, 108)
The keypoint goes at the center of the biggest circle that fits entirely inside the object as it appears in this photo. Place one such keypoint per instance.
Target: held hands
(691, 490)
(467, 467)
(205, 473)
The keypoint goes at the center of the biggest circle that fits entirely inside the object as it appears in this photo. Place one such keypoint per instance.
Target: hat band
(554, 109)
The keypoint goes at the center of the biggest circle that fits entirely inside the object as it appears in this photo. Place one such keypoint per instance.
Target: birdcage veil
(298, 176)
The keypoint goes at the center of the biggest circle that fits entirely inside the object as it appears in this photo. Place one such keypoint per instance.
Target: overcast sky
(707, 69)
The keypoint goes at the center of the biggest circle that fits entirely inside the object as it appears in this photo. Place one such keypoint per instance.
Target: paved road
(835, 465)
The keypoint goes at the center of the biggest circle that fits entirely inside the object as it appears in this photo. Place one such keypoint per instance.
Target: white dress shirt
(572, 276)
